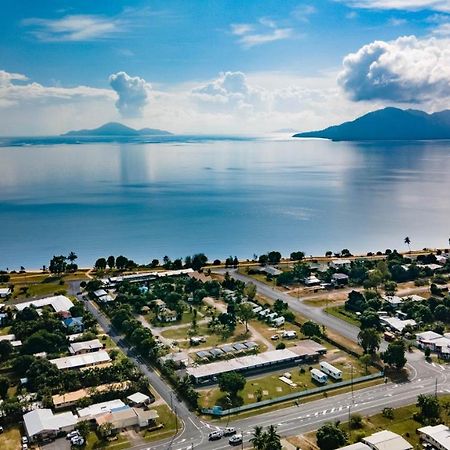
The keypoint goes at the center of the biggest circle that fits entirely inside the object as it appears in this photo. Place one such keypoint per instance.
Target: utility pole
(349, 421)
(435, 388)
(353, 399)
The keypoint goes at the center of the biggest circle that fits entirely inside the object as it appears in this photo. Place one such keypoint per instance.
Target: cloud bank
(406, 70)
(133, 93)
(406, 5)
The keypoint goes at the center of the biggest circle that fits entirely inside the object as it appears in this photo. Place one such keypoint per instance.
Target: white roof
(138, 397)
(87, 359)
(387, 440)
(57, 302)
(413, 298)
(5, 291)
(74, 337)
(93, 344)
(100, 293)
(41, 420)
(396, 323)
(341, 262)
(357, 446)
(428, 336)
(101, 408)
(392, 299)
(319, 373)
(439, 433)
(8, 337)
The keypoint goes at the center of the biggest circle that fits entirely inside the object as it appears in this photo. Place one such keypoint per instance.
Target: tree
(365, 360)
(121, 262)
(356, 421)
(258, 440)
(330, 437)
(199, 260)
(111, 261)
(57, 264)
(430, 408)
(369, 340)
(245, 313)
(310, 329)
(5, 350)
(408, 243)
(100, 264)
(395, 354)
(72, 256)
(297, 256)
(370, 319)
(250, 290)
(274, 257)
(231, 382)
(4, 386)
(355, 302)
(84, 428)
(154, 263)
(105, 430)
(272, 439)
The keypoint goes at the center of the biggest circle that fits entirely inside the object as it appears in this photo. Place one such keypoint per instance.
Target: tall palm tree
(259, 438)
(408, 243)
(272, 438)
(72, 257)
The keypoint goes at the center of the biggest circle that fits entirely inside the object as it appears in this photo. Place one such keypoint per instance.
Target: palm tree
(72, 257)
(408, 243)
(272, 438)
(259, 438)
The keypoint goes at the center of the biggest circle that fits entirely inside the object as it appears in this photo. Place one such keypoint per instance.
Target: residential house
(312, 280)
(339, 279)
(78, 348)
(74, 324)
(340, 263)
(57, 302)
(387, 440)
(437, 436)
(81, 361)
(43, 424)
(395, 324)
(139, 399)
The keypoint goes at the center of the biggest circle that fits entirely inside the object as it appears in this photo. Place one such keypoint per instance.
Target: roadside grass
(341, 313)
(10, 438)
(256, 276)
(267, 331)
(93, 442)
(167, 418)
(107, 341)
(270, 386)
(290, 403)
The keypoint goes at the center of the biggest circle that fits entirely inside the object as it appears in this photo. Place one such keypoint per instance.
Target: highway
(424, 378)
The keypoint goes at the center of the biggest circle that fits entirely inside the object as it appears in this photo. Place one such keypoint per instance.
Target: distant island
(117, 129)
(388, 124)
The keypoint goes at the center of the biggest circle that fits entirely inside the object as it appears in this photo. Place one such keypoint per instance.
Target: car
(77, 441)
(215, 435)
(228, 431)
(24, 446)
(275, 337)
(1, 430)
(73, 434)
(24, 440)
(235, 440)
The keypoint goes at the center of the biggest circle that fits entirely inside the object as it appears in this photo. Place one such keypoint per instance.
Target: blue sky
(205, 65)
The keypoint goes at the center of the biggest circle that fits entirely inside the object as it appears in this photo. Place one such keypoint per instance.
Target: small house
(138, 399)
(340, 279)
(278, 321)
(74, 324)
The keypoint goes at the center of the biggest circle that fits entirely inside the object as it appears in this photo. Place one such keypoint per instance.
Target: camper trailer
(318, 376)
(330, 370)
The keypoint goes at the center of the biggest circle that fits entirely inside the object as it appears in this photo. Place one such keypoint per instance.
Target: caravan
(330, 370)
(318, 376)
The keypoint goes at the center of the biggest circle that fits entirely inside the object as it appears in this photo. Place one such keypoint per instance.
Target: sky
(218, 66)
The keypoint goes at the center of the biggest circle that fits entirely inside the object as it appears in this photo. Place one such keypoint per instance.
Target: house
(312, 280)
(413, 298)
(427, 340)
(395, 324)
(128, 418)
(5, 292)
(12, 339)
(83, 360)
(387, 440)
(78, 348)
(42, 423)
(356, 446)
(138, 399)
(179, 359)
(340, 263)
(441, 259)
(57, 302)
(393, 300)
(272, 271)
(167, 315)
(97, 409)
(160, 304)
(437, 436)
(339, 279)
(270, 317)
(74, 324)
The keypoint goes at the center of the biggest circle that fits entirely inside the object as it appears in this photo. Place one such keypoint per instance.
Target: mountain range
(388, 124)
(117, 129)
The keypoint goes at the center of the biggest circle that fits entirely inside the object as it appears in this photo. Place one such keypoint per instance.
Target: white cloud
(263, 32)
(303, 12)
(407, 5)
(408, 69)
(133, 93)
(74, 28)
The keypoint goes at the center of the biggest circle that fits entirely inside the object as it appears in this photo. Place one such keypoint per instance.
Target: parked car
(228, 431)
(275, 337)
(73, 434)
(24, 440)
(235, 440)
(78, 441)
(215, 435)
(1, 430)
(24, 446)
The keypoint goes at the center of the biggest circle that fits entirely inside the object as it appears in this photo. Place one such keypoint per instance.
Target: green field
(10, 438)
(341, 313)
(166, 418)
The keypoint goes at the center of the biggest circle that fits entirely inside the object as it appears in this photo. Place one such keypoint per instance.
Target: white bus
(319, 376)
(331, 370)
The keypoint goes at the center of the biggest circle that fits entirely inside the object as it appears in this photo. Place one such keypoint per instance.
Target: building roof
(73, 321)
(413, 298)
(41, 420)
(392, 299)
(387, 440)
(5, 291)
(341, 262)
(76, 361)
(340, 276)
(428, 336)
(396, 323)
(439, 433)
(138, 397)
(101, 408)
(57, 302)
(356, 446)
(77, 347)
(100, 293)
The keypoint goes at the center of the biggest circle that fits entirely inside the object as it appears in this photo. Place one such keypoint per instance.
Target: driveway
(58, 444)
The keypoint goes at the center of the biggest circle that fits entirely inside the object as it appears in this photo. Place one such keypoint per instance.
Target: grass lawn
(107, 341)
(10, 439)
(270, 386)
(341, 313)
(167, 418)
(93, 442)
(257, 276)
(267, 331)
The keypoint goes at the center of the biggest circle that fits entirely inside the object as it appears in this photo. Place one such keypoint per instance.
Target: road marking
(324, 411)
(442, 367)
(433, 364)
(316, 414)
(340, 408)
(332, 409)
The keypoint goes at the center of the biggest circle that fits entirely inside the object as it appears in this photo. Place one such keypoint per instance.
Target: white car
(215, 435)
(24, 440)
(235, 440)
(73, 434)
(24, 446)
(77, 440)
(228, 431)
(275, 337)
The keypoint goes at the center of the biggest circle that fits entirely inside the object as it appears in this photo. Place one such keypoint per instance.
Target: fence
(217, 411)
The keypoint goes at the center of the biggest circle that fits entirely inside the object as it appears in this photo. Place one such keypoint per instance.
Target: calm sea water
(221, 197)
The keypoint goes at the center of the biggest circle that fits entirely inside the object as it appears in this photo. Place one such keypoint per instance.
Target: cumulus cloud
(406, 70)
(407, 5)
(262, 32)
(133, 93)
